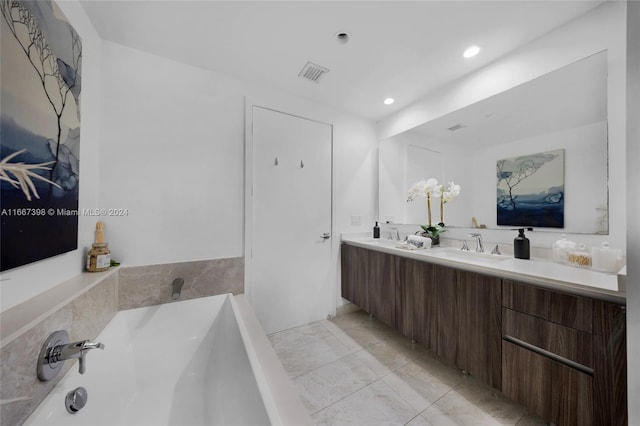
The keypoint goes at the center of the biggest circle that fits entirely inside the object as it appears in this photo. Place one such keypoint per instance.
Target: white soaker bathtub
(196, 362)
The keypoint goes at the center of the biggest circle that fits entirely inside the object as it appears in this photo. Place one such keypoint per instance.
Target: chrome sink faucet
(478, 237)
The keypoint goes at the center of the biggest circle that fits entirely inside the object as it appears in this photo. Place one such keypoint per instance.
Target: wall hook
(301, 164)
(276, 162)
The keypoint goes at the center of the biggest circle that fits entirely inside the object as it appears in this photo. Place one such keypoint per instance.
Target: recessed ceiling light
(471, 51)
(389, 101)
(342, 37)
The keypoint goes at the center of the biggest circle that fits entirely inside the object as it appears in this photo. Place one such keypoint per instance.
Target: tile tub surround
(151, 285)
(83, 306)
(355, 370)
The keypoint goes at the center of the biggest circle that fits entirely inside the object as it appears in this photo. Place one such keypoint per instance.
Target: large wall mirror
(565, 111)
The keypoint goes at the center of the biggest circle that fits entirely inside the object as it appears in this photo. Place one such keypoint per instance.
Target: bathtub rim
(280, 397)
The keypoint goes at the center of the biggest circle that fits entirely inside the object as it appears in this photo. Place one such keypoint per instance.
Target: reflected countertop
(537, 271)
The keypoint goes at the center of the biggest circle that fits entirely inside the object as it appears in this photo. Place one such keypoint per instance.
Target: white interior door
(291, 282)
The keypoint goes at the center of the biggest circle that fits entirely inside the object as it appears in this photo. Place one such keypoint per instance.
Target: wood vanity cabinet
(354, 261)
(416, 303)
(469, 323)
(561, 355)
(455, 314)
(380, 279)
(451, 314)
(609, 364)
(368, 280)
(481, 326)
(564, 356)
(552, 390)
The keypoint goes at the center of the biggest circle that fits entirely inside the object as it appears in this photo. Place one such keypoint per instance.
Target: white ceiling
(398, 49)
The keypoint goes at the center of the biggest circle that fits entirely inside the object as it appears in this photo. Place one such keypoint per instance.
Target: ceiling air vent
(456, 127)
(312, 72)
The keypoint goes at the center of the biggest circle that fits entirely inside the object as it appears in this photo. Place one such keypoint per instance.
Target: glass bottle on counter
(580, 257)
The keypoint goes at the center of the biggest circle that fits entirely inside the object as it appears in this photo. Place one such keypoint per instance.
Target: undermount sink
(381, 242)
(476, 256)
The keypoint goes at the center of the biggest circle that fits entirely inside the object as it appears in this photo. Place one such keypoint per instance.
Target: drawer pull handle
(550, 355)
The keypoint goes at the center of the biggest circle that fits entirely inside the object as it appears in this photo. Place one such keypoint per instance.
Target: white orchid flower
(417, 189)
(431, 185)
(430, 188)
(423, 188)
(437, 191)
(451, 192)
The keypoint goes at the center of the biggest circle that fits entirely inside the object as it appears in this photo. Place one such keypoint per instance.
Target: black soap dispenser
(376, 231)
(521, 245)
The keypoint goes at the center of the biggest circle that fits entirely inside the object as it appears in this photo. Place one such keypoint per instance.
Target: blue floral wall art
(39, 132)
(530, 190)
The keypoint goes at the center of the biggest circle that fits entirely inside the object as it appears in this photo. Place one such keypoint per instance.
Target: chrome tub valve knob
(57, 349)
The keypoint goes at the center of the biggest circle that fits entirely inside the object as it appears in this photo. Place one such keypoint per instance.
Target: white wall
(633, 211)
(602, 28)
(20, 284)
(173, 155)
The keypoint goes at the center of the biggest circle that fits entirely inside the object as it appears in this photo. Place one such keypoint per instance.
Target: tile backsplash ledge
(151, 285)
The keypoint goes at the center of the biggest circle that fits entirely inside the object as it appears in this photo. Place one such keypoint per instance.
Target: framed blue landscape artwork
(39, 132)
(530, 190)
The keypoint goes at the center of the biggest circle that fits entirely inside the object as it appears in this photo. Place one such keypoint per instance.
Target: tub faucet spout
(176, 288)
(73, 350)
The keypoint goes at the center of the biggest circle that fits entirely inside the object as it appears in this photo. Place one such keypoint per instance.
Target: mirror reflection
(564, 110)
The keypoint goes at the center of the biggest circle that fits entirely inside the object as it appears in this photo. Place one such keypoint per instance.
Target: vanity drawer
(565, 309)
(568, 343)
(554, 391)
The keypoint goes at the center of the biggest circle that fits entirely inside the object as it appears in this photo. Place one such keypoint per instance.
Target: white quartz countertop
(541, 272)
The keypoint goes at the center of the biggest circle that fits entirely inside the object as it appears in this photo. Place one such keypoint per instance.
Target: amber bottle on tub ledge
(99, 256)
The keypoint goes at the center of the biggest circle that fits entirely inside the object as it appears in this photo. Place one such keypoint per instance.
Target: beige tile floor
(353, 370)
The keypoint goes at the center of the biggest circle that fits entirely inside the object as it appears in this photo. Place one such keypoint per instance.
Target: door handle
(325, 236)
